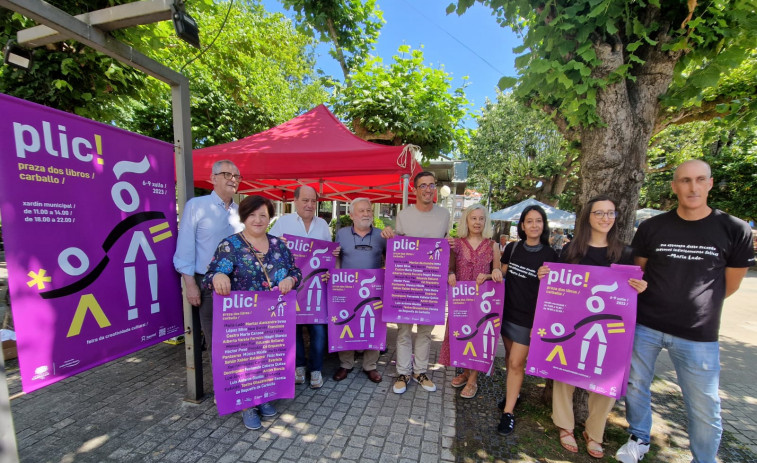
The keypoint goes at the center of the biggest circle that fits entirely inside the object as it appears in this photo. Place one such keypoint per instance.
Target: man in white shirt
(424, 219)
(205, 222)
(305, 223)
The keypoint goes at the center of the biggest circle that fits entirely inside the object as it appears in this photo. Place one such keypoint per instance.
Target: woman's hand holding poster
(584, 326)
(416, 280)
(475, 316)
(254, 349)
(314, 258)
(355, 309)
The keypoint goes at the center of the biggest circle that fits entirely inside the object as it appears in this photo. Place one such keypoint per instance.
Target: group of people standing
(693, 257)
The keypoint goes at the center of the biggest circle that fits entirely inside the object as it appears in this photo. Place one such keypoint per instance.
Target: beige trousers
(406, 363)
(562, 410)
(370, 359)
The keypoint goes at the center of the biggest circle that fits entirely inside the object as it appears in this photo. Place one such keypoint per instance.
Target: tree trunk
(613, 157)
(338, 50)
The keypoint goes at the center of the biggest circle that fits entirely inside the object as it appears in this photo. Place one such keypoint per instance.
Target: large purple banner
(89, 224)
(415, 287)
(314, 258)
(584, 326)
(475, 317)
(355, 309)
(253, 349)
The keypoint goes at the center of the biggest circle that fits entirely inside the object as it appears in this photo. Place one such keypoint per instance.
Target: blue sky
(472, 45)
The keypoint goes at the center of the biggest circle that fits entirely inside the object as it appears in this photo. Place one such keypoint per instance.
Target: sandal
(568, 441)
(460, 380)
(593, 448)
(469, 391)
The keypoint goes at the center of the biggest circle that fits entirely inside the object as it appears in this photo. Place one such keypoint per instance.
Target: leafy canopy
(407, 99)
(561, 69)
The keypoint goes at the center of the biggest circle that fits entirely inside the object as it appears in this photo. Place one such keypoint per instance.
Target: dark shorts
(516, 333)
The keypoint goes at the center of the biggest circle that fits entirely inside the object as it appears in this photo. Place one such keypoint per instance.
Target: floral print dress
(469, 263)
(234, 257)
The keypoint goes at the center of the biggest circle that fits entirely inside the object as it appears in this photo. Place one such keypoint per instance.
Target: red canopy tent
(313, 149)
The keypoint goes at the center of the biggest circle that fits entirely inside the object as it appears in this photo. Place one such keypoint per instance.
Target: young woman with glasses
(596, 242)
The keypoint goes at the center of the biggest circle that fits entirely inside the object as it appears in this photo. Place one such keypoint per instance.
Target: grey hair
(357, 200)
(217, 165)
(693, 161)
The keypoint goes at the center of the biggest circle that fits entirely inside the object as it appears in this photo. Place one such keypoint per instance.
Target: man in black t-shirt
(693, 258)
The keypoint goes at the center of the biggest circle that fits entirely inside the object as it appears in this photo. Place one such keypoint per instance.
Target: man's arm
(733, 277)
(641, 262)
(184, 257)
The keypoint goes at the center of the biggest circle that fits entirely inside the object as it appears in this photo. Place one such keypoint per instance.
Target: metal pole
(8, 450)
(405, 189)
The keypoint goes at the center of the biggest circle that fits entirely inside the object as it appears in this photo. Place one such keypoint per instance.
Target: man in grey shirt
(424, 219)
(360, 247)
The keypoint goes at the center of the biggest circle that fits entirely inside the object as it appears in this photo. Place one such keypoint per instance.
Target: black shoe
(506, 424)
(501, 403)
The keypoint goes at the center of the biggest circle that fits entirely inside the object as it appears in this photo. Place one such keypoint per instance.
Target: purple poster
(89, 224)
(314, 258)
(255, 361)
(355, 308)
(415, 287)
(584, 326)
(475, 317)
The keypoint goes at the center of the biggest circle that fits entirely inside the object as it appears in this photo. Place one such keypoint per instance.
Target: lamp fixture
(185, 25)
(17, 56)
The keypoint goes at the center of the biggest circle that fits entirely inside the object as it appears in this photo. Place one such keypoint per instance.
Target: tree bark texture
(613, 156)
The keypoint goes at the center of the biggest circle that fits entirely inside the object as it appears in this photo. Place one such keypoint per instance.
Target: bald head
(697, 164)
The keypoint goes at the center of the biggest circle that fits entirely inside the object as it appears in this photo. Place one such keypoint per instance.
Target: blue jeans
(317, 346)
(697, 366)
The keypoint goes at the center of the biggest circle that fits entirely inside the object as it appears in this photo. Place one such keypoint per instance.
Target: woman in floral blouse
(253, 260)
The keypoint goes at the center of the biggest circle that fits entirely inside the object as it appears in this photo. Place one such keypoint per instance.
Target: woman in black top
(596, 243)
(520, 263)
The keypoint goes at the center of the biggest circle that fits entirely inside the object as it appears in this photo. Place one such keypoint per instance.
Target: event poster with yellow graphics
(415, 289)
(314, 258)
(584, 326)
(89, 227)
(355, 307)
(253, 348)
(475, 318)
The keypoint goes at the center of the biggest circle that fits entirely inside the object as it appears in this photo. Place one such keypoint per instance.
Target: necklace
(258, 256)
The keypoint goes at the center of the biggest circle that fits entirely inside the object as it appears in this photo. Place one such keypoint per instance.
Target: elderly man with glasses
(360, 247)
(205, 222)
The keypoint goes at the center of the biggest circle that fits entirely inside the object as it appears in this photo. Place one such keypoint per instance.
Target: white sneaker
(299, 375)
(316, 380)
(632, 451)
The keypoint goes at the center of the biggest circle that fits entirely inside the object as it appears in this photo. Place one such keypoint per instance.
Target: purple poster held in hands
(253, 361)
(314, 258)
(475, 317)
(416, 280)
(355, 308)
(89, 225)
(584, 326)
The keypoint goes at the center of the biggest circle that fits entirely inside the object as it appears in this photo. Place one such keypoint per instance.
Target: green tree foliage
(613, 73)
(405, 102)
(68, 75)
(257, 74)
(352, 27)
(518, 153)
(730, 150)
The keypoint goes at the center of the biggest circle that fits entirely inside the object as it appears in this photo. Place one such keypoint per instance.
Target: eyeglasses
(426, 186)
(363, 247)
(608, 214)
(229, 176)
